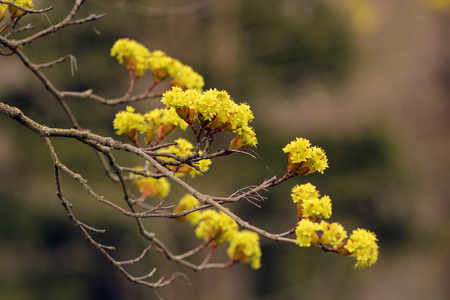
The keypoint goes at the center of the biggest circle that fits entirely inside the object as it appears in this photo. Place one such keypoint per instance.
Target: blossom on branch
(333, 234)
(306, 233)
(157, 123)
(244, 247)
(304, 159)
(183, 76)
(131, 54)
(214, 110)
(215, 227)
(309, 203)
(128, 121)
(161, 123)
(152, 187)
(187, 202)
(362, 245)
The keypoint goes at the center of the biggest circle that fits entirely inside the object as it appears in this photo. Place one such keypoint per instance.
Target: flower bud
(149, 136)
(185, 113)
(236, 143)
(132, 135)
(291, 165)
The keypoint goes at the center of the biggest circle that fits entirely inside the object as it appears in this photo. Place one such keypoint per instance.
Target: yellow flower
(306, 233)
(316, 208)
(152, 187)
(183, 75)
(318, 160)
(248, 136)
(309, 203)
(304, 159)
(127, 121)
(333, 234)
(303, 192)
(362, 245)
(17, 12)
(161, 123)
(131, 54)
(187, 202)
(244, 247)
(214, 110)
(215, 227)
(299, 149)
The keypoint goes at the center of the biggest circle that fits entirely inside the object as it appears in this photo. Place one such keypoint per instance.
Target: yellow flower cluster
(309, 205)
(306, 233)
(138, 59)
(183, 76)
(333, 234)
(161, 123)
(131, 54)
(184, 148)
(187, 202)
(244, 247)
(158, 122)
(214, 110)
(304, 159)
(152, 187)
(361, 244)
(128, 121)
(217, 228)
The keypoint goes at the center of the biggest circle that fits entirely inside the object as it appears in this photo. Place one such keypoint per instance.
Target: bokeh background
(367, 80)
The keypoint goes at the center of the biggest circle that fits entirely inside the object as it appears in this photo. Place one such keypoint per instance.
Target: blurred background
(367, 80)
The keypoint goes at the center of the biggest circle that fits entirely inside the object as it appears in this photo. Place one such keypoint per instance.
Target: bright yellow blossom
(161, 123)
(215, 227)
(306, 233)
(309, 203)
(244, 247)
(333, 234)
(187, 202)
(131, 54)
(362, 244)
(304, 191)
(318, 160)
(152, 187)
(214, 110)
(299, 149)
(183, 75)
(316, 208)
(128, 121)
(304, 159)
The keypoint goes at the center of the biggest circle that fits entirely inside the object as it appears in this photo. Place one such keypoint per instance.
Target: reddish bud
(236, 143)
